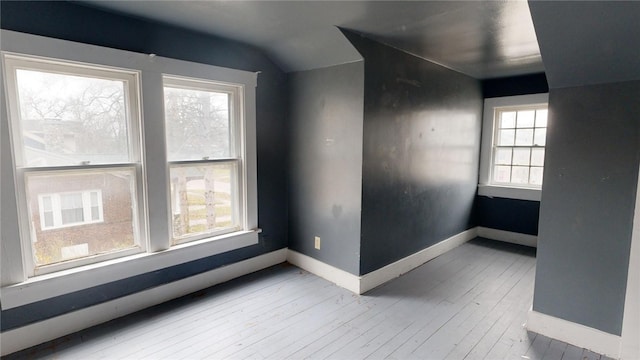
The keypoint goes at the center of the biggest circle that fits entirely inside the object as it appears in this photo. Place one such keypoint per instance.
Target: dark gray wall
(420, 153)
(83, 24)
(587, 208)
(326, 163)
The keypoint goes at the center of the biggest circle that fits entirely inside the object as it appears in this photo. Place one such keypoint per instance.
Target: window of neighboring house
(513, 146)
(70, 209)
(203, 121)
(74, 131)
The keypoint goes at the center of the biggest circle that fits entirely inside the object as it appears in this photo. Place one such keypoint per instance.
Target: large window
(203, 122)
(116, 164)
(74, 129)
(513, 146)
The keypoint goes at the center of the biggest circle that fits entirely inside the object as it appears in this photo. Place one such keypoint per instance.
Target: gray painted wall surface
(588, 42)
(587, 207)
(326, 163)
(420, 153)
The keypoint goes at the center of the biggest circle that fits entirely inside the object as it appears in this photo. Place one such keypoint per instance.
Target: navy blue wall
(519, 216)
(88, 25)
(326, 163)
(515, 215)
(515, 85)
(420, 153)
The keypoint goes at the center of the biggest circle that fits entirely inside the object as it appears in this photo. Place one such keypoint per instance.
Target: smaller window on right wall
(513, 146)
(518, 146)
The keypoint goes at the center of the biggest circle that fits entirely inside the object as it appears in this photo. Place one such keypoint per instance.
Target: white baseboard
(361, 284)
(404, 265)
(574, 334)
(331, 273)
(37, 333)
(508, 236)
(630, 348)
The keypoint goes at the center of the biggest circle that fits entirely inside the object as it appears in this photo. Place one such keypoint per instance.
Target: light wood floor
(469, 303)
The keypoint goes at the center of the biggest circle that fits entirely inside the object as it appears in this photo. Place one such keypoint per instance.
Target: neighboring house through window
(70, 209)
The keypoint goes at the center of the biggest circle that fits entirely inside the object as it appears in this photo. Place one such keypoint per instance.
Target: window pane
(48, 219)
(526, 118)
(502, 174)
(197, 124)
(536, 176)
(524, 137)
(46, 203)
(503, 156)
(506, 137)
(63, 242)
(541, 118)
(540, 137)
(203, 199)
(507, 119)
(95, 206)
(521, 156)
(72, 119)
(71, 208)
(520, 175)
(537, 157)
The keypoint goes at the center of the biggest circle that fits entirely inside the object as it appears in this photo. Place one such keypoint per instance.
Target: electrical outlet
(317, 244)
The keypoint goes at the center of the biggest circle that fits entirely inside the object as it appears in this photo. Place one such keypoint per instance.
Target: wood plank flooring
(469, 303)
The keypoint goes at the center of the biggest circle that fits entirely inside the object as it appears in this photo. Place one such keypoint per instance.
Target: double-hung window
(75, 129)
(513, 146)
(203, 121)
(117, 164)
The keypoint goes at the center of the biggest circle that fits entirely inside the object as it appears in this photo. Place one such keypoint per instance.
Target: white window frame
(18, 287)
(236, 156)
(486, 187)
(17, 61)
(56, 209)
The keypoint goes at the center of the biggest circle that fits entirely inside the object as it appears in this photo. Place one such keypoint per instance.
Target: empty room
(320, 179)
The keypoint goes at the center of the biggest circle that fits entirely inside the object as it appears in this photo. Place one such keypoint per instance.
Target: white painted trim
(331, 273)
(508, 236)
(574, 334)
(630, 344)
(46, 330)
(486, 147)
(510, 192)
(153, 179)
(67, 281)
(361, 284)
(404, 265)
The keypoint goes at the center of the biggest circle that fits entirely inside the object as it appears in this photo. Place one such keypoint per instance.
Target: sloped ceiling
(483, 39)
(588, 42)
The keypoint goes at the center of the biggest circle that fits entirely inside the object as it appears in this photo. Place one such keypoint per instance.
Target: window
(73, 127)
(105, 189)
(513, 146)
(203, 122)
(70, 209)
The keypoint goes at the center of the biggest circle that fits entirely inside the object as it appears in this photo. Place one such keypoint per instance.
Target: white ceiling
(483, 39)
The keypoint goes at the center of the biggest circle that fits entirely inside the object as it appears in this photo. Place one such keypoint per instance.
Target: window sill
(509, 192)
(63, 282)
